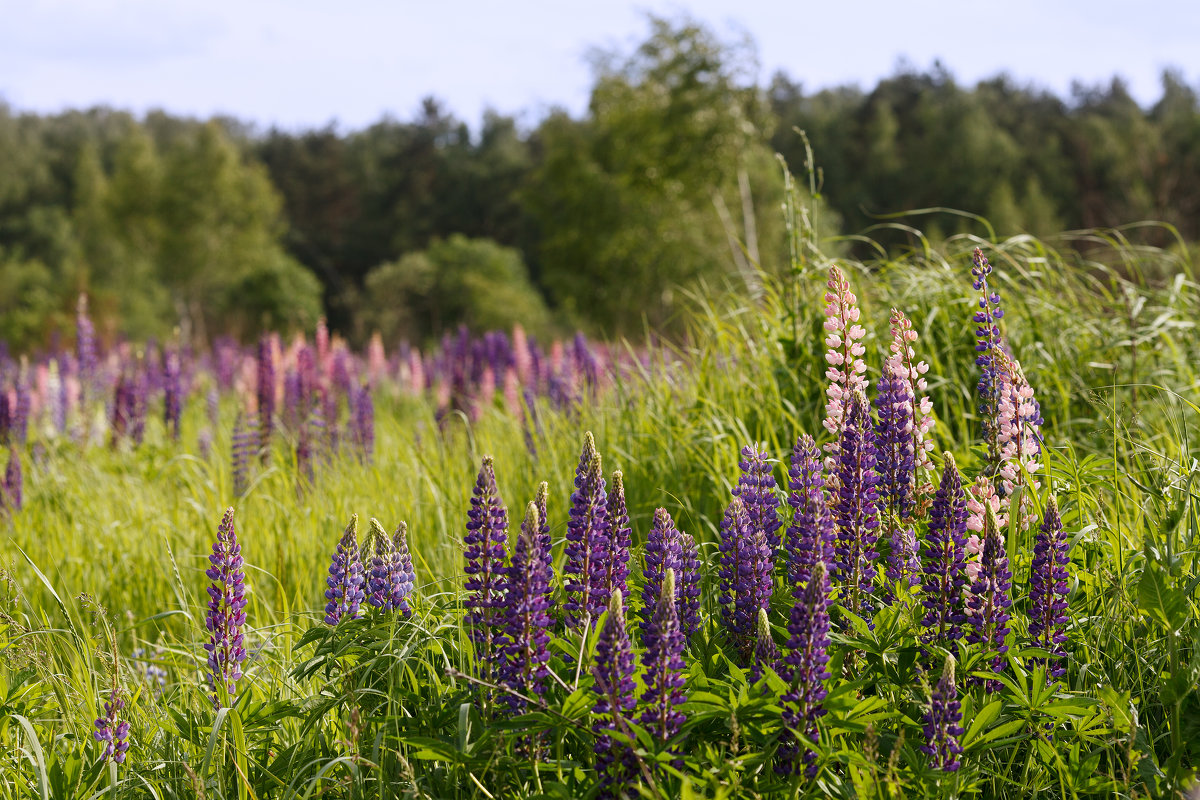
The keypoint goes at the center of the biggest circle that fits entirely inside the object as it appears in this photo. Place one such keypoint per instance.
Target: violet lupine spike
(172, 395)
(942, 723)
(944, 571)
(486, 551)
(390, 579)
(856, 509)
(112, 729)
(541, 500)
(688, 590)
(766, 652)
(989, 601)
(587, 539)
(663, 552)
(745, 576)
(304, 455)
(85, 351)
(662, 661)
(404, 577)
(805, 668)
(266, 395)
(14, 482)
(1048, 590)
(22, 407)
(614, 689)
(756, 486)
(912, 372)
(846, 372)
(345, 581)
(292, 416)
(618, 540)
(812, 535)
(363, 423)
(6, 417)
(244, 443)
(989, 344)
(894, 445)
(527, 615)
(226, 616)
(903, 559)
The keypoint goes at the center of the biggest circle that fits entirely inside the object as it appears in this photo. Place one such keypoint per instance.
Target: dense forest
(669, 178)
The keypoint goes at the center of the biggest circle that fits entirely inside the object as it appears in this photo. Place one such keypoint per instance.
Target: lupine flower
(390, 579)
(688, 590)
(486, 541)
(1019, 430)
(805, 669)
(944, 567)
(85, 350)
(846, 372)
(766, 652)
(662, 661)
(14, 482)
(245, 440)
(345, 581)
(664, 551)
(304, 455)
(587, 539)
(226, 615)
(266, 395)
(112, 729)
(614, 688)
(293, 403)
(620, 535)
(903, 359)
(541, 499)
(989, 344)
(745, 575)
(942, 722)
(22, 405)
(812, 534)
(903, 560)
(362, 424)
(990, 599)
(1048, 590)
(894, 444)
(526, 614)
(756, 487)
(172, 395)
(857, 508)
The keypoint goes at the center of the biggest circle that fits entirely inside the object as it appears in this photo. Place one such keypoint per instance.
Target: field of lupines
(922, 527)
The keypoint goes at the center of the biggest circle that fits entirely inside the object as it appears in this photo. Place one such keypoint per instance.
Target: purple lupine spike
(266, 395)
(226, 616)
(486, 551)
(990, 599)
(662, 661)
(903, 362)
(587, 539)
(330, 413)
(745, 576)
(345, 581)
(857, 508)
(664, 551)
(404, 576)
(813, 533)
(293, 403)
(527, 615)
(172, 395)
(22, 406)
(756, 487)
(896, 458)
(766, 651)
(14, 482)
(944, 564)
(542, 501)
(85, 351)
(304, 455)
(903, 559)
(620, 535)
(122, 409)
(805, 668)
(989, 344)
(942, 723)
(390, 578)
(614, 689)
(244, 442)
(112, 729)
(688, 589)
(362, 423)
(6, 417)
(1048, 590)
(138, 407)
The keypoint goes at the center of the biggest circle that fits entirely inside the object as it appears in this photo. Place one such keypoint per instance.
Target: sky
(302, 64)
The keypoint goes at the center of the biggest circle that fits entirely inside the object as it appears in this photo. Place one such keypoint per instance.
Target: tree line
(178, 226)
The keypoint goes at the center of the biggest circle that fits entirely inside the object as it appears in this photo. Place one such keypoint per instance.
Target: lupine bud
(345, 581)
(857, 508)
(587, 539)
(766, 652)
(112, 729)
(226, 615)
(944, 557)
(618, 540)
(812, 534)
(663, 664)
(664, 551)
(756, 487)
(989, 601)
(526, 615)
(805, 669)
(745, 576)
(486, 541)
(688, 590)
(942, 723)
(1048, 590)
(614, 689)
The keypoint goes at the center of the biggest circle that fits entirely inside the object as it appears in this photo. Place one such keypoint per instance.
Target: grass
(108, 556)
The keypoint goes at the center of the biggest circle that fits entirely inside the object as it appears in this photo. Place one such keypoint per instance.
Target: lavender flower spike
(664, 552)
(527, 618)
(1048, 590)
(688, 590)
(486, 541)
(112, 729)
(991, 598)
(614, 688)
(811, 536)
(390, 579)
(226, 615)
(944, 569)
(620, 535)
(756, 487)
(663, 662)
(805, 669)
(587, 539)
(345, 581)
(542, 500)
(745, 576)
(942, 723)
(857, 508)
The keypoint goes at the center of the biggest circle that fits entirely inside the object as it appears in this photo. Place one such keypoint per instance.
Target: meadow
(824, 653)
